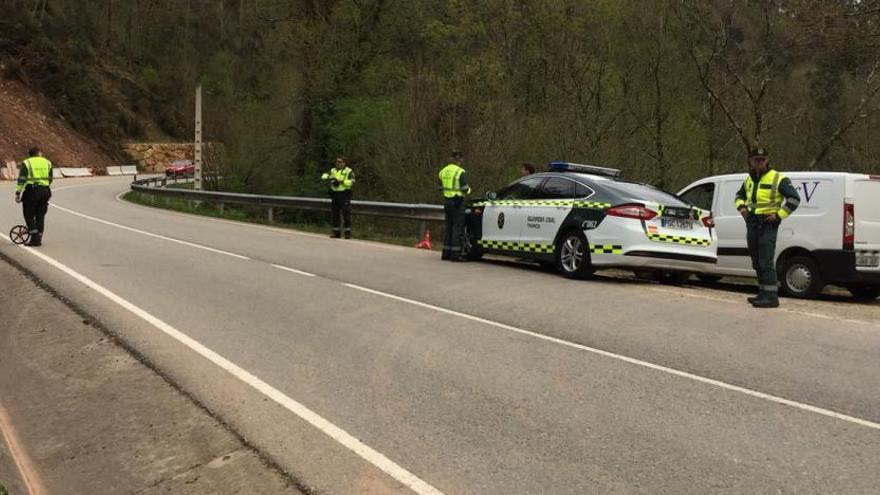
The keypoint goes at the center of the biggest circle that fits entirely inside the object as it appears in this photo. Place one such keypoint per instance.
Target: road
(367, 368)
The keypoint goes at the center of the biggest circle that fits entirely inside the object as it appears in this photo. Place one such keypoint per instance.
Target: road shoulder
(93, 419)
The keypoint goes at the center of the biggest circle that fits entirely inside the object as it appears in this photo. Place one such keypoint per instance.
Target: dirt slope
(26, 119)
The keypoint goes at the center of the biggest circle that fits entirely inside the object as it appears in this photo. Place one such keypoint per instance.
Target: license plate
(867, 260)
(677, 223)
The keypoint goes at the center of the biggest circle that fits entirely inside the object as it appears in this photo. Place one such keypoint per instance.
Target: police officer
(455, 187)
(341, 180)
(32, 190)
(765, 199)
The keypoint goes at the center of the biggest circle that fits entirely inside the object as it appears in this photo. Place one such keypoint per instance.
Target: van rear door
(866, 205)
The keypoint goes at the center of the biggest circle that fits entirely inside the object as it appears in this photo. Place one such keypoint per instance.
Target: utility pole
(197, 152)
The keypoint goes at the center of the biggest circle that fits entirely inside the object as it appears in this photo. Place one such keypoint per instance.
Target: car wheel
(865, 292)
(800, 277)
(709, 279)
(469, 248)
(573, 256)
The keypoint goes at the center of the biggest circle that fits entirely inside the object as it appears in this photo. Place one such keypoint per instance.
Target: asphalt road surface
(366, 368)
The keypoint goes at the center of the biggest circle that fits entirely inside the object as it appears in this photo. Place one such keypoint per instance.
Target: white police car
(582, 217)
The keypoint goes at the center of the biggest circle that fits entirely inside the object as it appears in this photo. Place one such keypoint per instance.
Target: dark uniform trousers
(340, 203)
(454, 210)
(35, 204)
(761, 238)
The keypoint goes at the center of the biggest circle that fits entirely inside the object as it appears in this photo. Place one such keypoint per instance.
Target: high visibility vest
(343, 178)
(39, 172)
(765, 199)
(450, 179)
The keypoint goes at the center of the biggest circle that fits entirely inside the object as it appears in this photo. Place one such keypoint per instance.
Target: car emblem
(501, 220)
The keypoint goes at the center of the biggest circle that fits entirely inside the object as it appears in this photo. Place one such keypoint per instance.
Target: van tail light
(849, 226)
(636, 211)
(709, 222)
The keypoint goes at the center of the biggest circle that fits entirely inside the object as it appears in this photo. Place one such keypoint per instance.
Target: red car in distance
(180, 168)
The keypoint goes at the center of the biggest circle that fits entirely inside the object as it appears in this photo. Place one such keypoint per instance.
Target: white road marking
(338, 434)
(638, 362)
(286, 268)
(158, 236)
(23, 463)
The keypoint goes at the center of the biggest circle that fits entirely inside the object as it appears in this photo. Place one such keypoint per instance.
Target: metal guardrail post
(271, 215)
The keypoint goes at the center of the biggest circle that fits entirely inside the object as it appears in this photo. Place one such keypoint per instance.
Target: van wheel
(865, 292)
(573, 256)
(709, 279)
(800, 277)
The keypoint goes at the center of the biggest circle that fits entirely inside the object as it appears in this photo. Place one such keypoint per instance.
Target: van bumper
(839, 268)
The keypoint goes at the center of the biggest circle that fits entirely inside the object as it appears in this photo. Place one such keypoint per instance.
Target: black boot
(752, 299)
(36, 240)
(765, 300)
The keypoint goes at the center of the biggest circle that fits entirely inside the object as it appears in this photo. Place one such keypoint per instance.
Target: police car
(583, 217)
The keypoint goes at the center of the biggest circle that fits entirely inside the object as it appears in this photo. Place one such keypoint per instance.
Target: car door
(503, 216)
(552, 203)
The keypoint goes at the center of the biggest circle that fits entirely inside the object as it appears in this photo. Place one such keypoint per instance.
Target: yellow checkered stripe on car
(524, 247)
(676, 239)
(546, 202)
(606, 249)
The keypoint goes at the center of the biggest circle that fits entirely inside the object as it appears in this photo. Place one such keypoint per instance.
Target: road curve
(482, 378)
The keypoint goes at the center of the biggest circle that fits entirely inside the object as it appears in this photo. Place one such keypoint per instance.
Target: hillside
(27, 119)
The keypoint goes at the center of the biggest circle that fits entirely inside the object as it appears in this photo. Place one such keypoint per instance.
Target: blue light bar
(559, 166)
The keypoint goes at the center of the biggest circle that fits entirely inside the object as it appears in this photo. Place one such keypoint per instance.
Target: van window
(727, 198)
(701, 195)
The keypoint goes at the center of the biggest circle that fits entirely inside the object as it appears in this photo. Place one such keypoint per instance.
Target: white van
(832, 238)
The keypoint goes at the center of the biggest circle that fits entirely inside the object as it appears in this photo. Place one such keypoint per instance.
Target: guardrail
(411, 211)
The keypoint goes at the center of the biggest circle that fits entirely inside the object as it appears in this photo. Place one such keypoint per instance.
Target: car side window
(701, 195)
(556, 188)
(523, 189)
(582, 191)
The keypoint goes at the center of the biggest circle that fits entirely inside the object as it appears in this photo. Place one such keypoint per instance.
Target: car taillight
(709, 222)
(849, 226)
(631, 211)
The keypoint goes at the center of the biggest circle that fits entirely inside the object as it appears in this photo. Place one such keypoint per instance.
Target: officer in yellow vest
(341, 180)
(32, 190)
(454, 184)
(765, 199)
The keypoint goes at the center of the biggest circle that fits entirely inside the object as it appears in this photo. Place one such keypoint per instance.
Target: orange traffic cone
(425, 243)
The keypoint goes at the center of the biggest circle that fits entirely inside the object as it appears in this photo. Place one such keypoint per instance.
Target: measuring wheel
(19, 234)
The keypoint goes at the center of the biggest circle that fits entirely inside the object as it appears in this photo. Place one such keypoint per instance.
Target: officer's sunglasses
(759, 159)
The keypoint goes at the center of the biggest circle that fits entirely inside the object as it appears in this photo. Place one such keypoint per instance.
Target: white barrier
(56, 173)
(75, 172)
(9, 171)
(122, 170)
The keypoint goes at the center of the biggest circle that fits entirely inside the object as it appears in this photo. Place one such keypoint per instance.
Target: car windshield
(644, 192)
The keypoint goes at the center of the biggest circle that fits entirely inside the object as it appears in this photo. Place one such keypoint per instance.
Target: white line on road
(638, 362)
(158, 236)
(338, 434)
(288, 269)
(22, 460)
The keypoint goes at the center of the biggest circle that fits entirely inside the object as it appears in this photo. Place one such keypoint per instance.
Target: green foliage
(669, 90)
